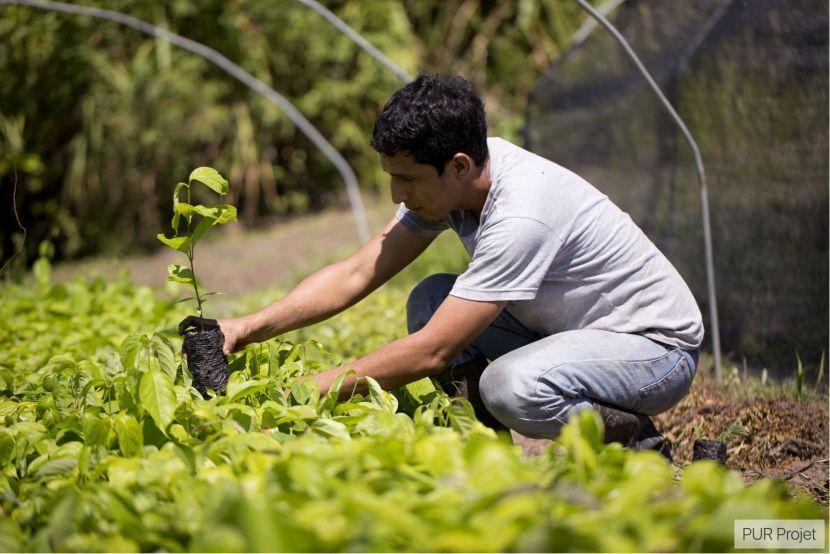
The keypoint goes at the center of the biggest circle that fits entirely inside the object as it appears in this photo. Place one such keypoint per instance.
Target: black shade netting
(750, 79)
(206, 360)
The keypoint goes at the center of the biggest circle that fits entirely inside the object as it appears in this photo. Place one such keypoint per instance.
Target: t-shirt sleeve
(510, 261)
(419, 224)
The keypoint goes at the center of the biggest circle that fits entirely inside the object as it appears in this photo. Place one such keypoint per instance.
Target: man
(568, 300)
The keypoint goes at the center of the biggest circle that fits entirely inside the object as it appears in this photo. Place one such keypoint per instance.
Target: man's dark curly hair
(431, 119)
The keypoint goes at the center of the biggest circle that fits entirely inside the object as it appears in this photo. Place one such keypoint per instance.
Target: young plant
(203, 346)
(799, 377)
(733, 431)
(210, 216)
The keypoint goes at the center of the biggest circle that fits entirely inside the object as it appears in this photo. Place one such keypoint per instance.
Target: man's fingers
(185, 323)
(195, 321)
(230, 345)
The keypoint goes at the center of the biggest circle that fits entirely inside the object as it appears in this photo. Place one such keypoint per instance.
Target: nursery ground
(771, 429)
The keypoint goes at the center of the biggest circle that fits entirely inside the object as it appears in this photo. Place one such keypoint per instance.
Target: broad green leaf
(252, 359)
(158, 397)
(165, 354)
(217, 217)
(462, 417)
(185, 209)
(96, 429)
(420, 388)
(176, 243)
(331, 428)
(300, 393)
(178, 433)
(330, 400)
(273, 359)
(30, 430)
(131, 350)
(245, 388)
(381, 398)
(121, 472)
(130, 436)
(222, 213)
(256, 441)
(91, 368)
(210, 178)
(61, 361)
(180, 274)
(58, 466)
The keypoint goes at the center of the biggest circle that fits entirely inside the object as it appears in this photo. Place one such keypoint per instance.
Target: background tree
(98, 118)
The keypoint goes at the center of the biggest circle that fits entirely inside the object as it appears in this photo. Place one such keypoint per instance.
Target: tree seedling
(203, 346)
(210, 216)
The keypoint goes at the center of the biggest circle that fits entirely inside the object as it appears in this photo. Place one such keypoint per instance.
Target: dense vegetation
(98, 119)
(105, 446)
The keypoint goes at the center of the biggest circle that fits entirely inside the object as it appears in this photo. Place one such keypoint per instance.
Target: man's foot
(462, 380)
(620, 425)
(633, 430)
(651, 439)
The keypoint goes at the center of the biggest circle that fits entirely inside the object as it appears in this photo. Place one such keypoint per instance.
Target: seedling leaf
(210, 178)
(176, 243)
(180, 274)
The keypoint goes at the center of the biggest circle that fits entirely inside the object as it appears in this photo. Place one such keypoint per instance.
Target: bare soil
(787, 438)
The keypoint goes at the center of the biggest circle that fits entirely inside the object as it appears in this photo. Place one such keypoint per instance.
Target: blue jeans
(534, 382)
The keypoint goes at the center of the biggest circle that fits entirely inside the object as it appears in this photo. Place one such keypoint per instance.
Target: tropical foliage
(96, 119)
(106, 446)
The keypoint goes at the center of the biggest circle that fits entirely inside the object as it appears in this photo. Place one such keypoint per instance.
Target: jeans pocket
(666, 391)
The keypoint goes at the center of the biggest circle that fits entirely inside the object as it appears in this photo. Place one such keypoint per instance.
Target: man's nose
(399, 194)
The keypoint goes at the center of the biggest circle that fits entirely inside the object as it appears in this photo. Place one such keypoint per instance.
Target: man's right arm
(331, 289)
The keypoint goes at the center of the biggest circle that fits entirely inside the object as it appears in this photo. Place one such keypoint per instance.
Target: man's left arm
(456, 324)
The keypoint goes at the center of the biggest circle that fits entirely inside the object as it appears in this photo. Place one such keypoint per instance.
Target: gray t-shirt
(564, 256)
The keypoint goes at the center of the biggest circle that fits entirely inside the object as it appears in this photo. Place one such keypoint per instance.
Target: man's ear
(461, 164)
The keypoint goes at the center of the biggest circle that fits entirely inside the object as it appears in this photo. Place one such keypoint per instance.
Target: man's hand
(236, 332)
(455, 324)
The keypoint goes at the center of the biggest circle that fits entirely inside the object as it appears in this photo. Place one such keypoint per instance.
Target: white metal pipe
(357, 38)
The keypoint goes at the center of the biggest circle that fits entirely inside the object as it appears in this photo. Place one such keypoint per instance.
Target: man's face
(420, 187)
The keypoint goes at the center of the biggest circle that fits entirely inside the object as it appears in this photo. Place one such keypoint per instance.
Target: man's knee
(426, 297)
(508, 390)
